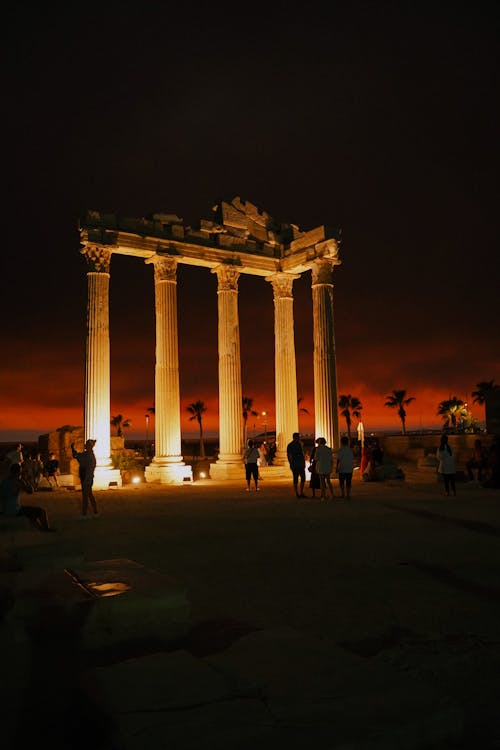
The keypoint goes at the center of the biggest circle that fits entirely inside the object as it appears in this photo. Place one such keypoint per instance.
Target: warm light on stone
(240, 238)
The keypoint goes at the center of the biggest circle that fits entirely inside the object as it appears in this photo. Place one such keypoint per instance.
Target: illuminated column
(229, 464)
(167, 465)
(97, 381)
(325, 368)
(287, 421)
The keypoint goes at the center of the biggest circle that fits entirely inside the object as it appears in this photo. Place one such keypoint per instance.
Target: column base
(168, 473)
(220, 470)
(275, 471)
(106, 477)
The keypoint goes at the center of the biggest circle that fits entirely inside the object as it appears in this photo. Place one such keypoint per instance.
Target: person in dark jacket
(87, 463)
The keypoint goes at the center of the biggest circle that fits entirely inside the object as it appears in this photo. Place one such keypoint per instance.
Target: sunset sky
(379, 118)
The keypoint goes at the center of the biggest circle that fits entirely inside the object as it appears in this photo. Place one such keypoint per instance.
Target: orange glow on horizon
(19, 420)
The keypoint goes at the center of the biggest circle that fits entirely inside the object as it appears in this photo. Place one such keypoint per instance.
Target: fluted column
(167, 465)
(97, 367)
(287, 420)
(229, 461)
(325, 367)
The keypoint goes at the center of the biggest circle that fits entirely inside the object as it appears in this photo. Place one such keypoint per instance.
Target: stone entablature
(240, 234)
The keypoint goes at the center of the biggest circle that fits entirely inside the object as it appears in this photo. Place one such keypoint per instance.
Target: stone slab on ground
(133, 603)
(110, 602)
(271, 688)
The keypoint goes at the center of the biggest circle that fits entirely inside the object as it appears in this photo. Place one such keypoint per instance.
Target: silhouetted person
(314, 482)
(271, 452)
(446, 466)
(345, 466)
(10, 490)
(86, 467)
(324, 466)
(297, 461)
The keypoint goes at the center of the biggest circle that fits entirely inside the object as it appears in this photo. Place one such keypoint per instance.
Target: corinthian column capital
(227, 277)
(282, 284)
(322, 271)
(165, 268)
(98, 258)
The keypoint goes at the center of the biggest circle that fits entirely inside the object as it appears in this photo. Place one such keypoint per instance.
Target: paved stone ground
(358, 625)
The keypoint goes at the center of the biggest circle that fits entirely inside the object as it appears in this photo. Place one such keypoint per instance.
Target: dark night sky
(380, 118)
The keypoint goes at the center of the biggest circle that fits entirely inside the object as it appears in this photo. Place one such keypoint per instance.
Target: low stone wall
(59, 442)
(414, 447)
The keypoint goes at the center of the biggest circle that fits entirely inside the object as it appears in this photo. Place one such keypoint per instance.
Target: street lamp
(264, 414)
(146, 452)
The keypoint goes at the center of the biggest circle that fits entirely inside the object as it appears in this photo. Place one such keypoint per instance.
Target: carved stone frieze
(98, 258)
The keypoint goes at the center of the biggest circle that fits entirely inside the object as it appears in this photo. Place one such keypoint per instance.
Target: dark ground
(400, 574)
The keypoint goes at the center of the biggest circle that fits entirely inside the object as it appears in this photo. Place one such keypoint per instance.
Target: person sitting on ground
(28, 469)
(15, 456)
(377, 454)
(478, 461)
(38, 470)
(10, 489)
(52, 470)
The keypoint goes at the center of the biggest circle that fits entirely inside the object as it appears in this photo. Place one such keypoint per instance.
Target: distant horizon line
(30, 436)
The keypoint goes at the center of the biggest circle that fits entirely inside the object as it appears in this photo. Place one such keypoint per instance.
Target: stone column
(229, 464)
(325, 367)
(287, 420)
(167, 465)
(97, 368)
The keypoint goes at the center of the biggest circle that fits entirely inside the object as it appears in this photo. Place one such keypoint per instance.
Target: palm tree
(197, 409)
(120, 424)
(351, 407)
(247, 404)
(484, 389)
(453, 411)
(398, 400)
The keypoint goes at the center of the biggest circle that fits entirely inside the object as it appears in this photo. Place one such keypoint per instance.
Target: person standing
(251, 456)
(324, 466)
(87, 462)
(345, 466)
(262, 449)
(297, 461)
(10, 490)
(446, 467)
(314, 483)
